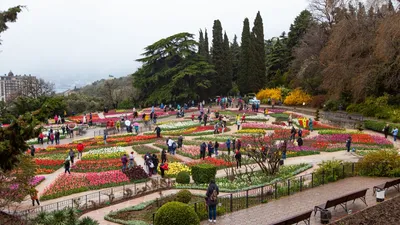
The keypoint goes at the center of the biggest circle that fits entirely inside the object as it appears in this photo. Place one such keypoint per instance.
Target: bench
(387, 185)
(342, 201)
(304, 217)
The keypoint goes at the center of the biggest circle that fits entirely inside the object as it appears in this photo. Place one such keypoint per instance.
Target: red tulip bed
(67, 184)
(220, 163)
(46, 166)
(96, 165)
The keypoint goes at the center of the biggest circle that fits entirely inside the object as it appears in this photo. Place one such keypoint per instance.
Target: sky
(76, 42)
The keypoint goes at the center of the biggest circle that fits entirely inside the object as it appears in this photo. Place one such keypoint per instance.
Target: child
(192, 116)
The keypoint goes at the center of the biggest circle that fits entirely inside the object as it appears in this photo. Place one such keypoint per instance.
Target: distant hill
(97, 88)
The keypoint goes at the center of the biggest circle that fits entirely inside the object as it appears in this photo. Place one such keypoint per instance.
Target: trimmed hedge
(183, 177)
(203, 173)
(184, 196)
(176, 213)
(379, 125)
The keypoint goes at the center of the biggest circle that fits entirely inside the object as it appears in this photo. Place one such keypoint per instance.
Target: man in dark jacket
(203, 150)
(212, 201)
(158, 131)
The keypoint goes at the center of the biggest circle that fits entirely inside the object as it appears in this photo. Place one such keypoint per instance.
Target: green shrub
(379, 125)
(183, 177)
(203, 173)
(202, 212)
(184, 196)
(329, 171)
(383, 163)
(176, 213)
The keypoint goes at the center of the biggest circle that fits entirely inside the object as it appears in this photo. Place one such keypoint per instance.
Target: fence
(101, 198)
(244, 199)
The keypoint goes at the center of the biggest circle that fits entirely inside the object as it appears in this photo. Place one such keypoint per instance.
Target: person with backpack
(34, 195)
(67, 165)
(173, 147)
(212, 201)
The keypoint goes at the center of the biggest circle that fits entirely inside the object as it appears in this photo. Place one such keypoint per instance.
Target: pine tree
(218, 60)
(257, 60)
(235, 54)
(243, 76)
(227, 64)
(301, 23)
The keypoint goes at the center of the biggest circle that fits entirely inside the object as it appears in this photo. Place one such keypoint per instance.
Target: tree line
(336, 50)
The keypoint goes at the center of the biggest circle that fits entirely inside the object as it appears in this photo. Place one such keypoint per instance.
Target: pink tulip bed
(67, 184)
(265, 126)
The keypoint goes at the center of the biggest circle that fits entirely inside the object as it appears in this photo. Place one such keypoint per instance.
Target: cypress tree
(206, 46)
(227, 64)
(243, 76)
(201, 50)
(218, 59)
(257, 63)
(235, 54)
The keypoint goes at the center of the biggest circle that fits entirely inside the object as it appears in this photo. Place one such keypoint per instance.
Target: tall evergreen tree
(228, 63)
(201, 50)
(235, 54)
(301, 23)
(218, 59)
(244, 76)
(257, 63)
(206, 46)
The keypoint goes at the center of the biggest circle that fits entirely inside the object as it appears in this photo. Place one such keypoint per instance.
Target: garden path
(100, 213)
(295, 204)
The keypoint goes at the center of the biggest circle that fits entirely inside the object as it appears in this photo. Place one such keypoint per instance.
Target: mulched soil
(385, 213)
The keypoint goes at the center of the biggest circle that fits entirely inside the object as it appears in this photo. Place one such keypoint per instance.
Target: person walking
(205, 119)
(300, 132)
(210, 149)
(158, 131)
(71, 154)
(80, 148)
(173, 147)
(212, 201)
(238, 157)
(386, 130)
(40, 139)
(57, 137)
(348, 144)
(300, 142)
(105, 134)
(180, 141)
(216, 146)
(228, 146)
(239, 144)
(395, 132)
(149, 163)
(63, 129)
(238, 124)
(163, 167)
(52, 137)
(118, 125)
(131, 160)
(163, 156)
(233, 145)
(155, 162)
(310, 124)
(244, 117)
(203, 147)
(293, 134)
(34, 196)
(67, 165)
(124, 161)
(32, 148)
(169, 144)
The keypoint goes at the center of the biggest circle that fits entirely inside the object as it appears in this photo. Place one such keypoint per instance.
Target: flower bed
(143, 149)
(220, 163)
(105, 153)
(303, 122)
(258, 179)
(173, 125)
(36, 180)
(260, 126)
(46, 166)
(356, 138)
(200, 130)
(251, 131)
(285, 134)
(97, 165)
(175, 167)
(258, 117)
(66, 184)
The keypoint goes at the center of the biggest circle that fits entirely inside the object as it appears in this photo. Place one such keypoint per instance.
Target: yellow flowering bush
(272, 93)
(175, 167)
(297, 97)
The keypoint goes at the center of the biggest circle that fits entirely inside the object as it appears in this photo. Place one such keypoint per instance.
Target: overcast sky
(75, 42)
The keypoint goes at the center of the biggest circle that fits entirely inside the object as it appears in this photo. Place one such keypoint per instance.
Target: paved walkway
(300, 202)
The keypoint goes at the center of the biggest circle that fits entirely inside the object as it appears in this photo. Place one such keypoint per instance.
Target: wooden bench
(342, 201)
(387, 185)
(304, 217)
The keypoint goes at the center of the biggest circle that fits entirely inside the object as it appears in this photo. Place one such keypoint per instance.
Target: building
(14, 85)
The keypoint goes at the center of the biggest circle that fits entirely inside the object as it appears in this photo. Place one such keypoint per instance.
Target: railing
(244, 199)
(101, 198)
